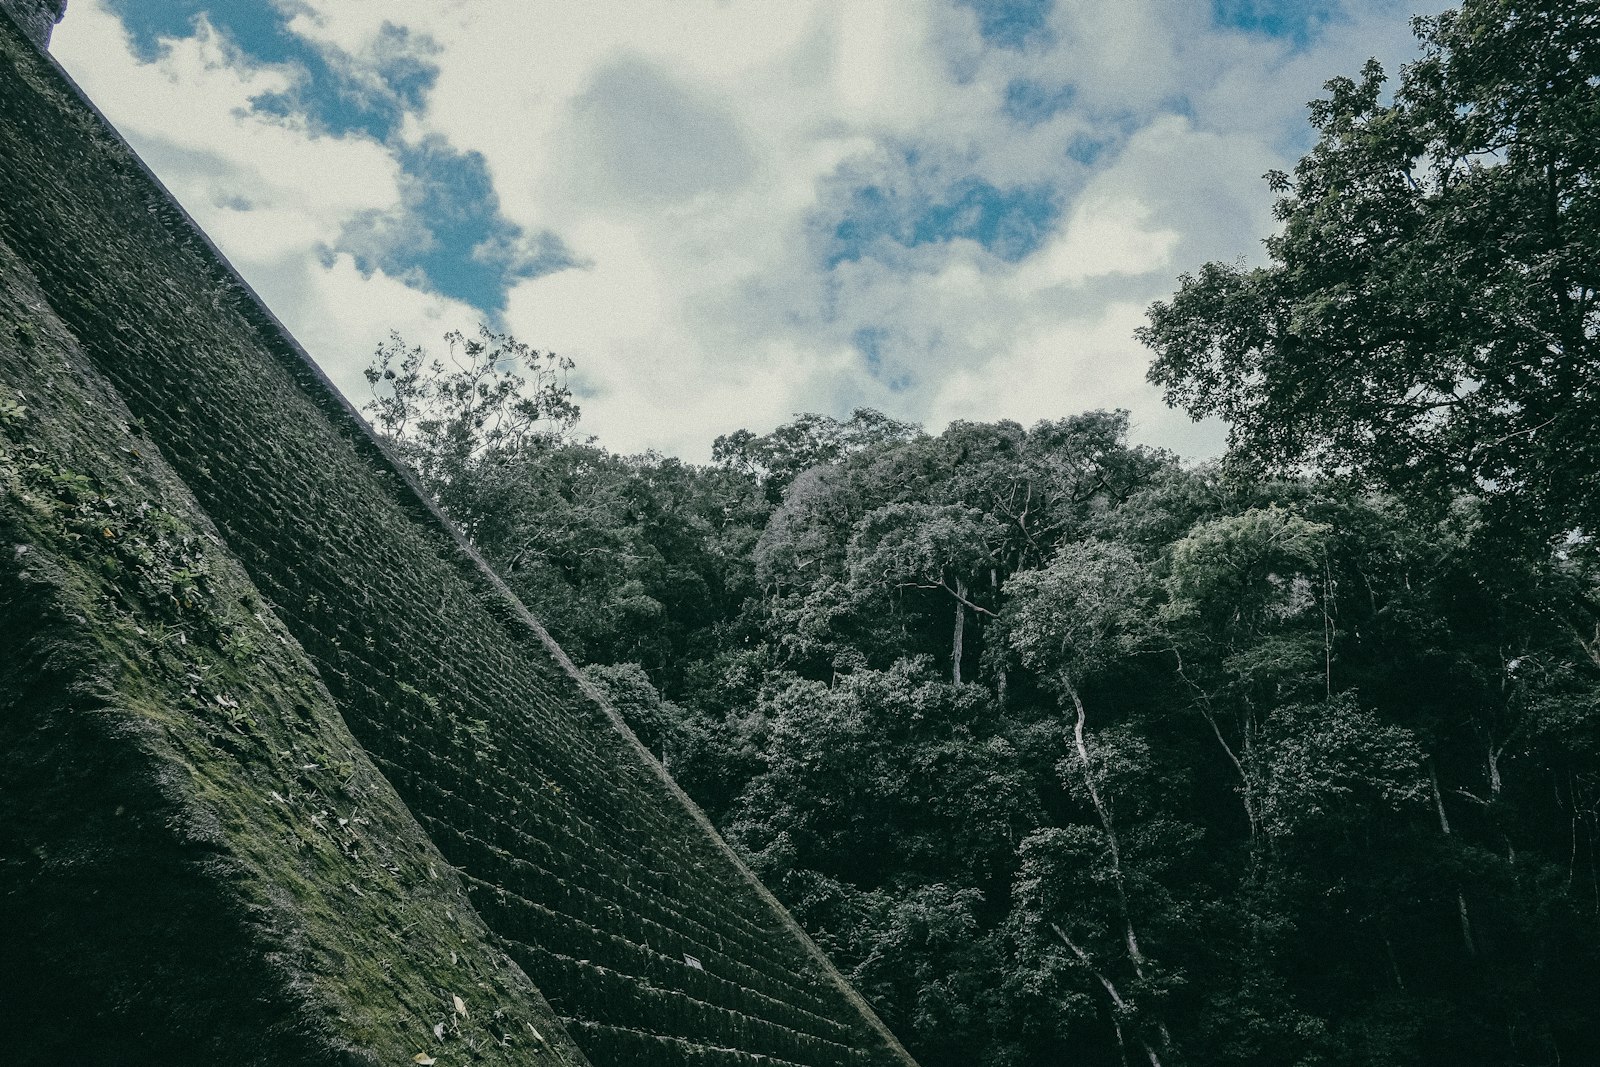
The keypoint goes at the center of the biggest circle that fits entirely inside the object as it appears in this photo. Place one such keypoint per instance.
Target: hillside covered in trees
(1066, 750)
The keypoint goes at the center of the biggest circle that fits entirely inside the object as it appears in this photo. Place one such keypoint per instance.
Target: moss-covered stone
(198, 862)
(273, 573)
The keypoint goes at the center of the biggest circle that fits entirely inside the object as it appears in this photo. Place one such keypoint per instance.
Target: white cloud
(261, 186)
(270, 192)
(683, 149)
(636, 138)
(1108, 233)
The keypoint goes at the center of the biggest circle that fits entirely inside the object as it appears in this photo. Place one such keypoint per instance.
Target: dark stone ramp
(593, 870)
(36, 17)
(198, 864)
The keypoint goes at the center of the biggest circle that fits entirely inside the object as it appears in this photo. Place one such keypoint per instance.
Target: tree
(886, 812)
(626, 559)
(1048, 861)
(811, 440)
(1428, 319)
(1241, 591)
(1072, 619)
(923, 546)
(495, 394)
(941, 523)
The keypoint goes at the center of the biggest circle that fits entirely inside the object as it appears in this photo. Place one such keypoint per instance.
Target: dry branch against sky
(728, 211)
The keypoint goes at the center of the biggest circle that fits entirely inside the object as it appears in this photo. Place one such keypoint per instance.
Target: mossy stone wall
(198, 862)
(36, 17)
(589, 866)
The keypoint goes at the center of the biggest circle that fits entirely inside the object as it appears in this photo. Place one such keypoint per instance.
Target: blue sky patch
(1298, 21)
(1010, 223)
(258, 27)
(1030, 103)
(1012, 23)
(450, 237)
(329, 97)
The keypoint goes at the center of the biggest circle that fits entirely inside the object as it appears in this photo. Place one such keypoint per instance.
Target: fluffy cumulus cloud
(728, 211)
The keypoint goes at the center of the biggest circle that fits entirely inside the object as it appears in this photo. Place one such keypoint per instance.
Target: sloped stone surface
(590, 867)
(198, 863)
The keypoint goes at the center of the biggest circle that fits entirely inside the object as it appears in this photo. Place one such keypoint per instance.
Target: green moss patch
(198, 863)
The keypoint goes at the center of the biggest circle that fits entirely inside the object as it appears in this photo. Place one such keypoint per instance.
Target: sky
(726, 212)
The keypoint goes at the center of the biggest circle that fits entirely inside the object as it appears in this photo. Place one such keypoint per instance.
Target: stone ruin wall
(37, 18)
(198, 863)
(592, 873)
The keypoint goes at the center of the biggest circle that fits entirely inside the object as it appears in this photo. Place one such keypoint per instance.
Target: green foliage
(1239, 770)
(494, 394)
(931, 529)
(1428, 320)
(1194, 765)
(691, 744)
(1256, 566)
(1334, 767)
(1083, 611)
(811, 440)
(923, 546)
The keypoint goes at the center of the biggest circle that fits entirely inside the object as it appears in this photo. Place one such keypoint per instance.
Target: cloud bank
(729, 211)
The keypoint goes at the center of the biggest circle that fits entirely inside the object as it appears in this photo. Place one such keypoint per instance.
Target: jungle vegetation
(1067, 751)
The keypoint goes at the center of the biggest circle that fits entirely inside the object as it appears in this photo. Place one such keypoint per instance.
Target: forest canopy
(1066, 751)
(1428, 318)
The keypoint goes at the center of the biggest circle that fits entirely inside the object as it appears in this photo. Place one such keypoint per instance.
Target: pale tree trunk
(1000, 677)
(1245, 795)
(1119, 1005)
(1113, 846)
(961, 629)
(1203, 702)
(1461, 895)
(1394, 961)
(1590, 645)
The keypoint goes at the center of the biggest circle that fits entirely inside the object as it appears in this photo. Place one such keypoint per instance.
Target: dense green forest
(1069, 752)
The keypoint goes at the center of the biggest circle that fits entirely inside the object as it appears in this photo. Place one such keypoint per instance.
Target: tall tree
(489, 394)
(1070, 620)
(1428, 318)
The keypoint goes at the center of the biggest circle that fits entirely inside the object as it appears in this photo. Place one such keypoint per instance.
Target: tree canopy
(1064, 750)
(1428, 318)
(1067, 752)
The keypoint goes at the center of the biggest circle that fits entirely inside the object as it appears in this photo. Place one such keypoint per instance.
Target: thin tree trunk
(1572, 854)
(1244, 779)
(1203, 702)
(961, 628)
(1327, 629)
(1119, 1006)
(1433, 780)
(1113, 845)
(1394, 963)
(1135, 954)
(1466, 923)
(1461, 894)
